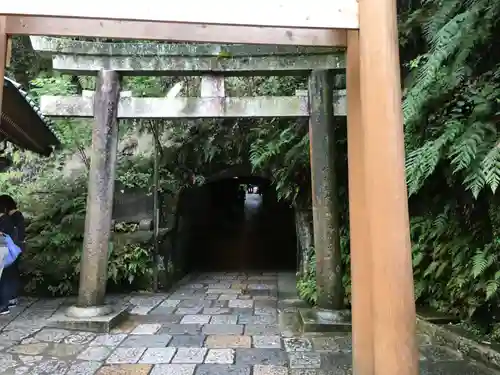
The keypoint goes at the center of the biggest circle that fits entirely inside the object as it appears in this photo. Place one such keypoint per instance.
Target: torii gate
(382, 283)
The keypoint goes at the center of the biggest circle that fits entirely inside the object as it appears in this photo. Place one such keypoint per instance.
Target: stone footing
(99, 319)
(88, 312)
(321, 320)
(436, 317)
(464, 342)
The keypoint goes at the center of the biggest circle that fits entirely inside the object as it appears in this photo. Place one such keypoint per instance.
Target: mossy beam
(189, 66)
(182, 107)
(65, 46)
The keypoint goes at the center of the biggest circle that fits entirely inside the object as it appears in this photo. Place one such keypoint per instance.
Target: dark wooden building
(22, 123)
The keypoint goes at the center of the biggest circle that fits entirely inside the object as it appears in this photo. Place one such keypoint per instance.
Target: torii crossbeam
(382, 283)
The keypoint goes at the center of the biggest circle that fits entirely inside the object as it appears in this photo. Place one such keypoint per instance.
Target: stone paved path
(216, 324)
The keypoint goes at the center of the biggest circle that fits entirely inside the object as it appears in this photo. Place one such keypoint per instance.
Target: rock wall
(305, 238)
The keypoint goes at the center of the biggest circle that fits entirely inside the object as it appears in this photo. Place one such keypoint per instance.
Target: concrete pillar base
(100, 319)
(324, 320)
(88, 312)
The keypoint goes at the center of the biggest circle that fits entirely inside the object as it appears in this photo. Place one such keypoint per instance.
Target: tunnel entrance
(242, 227)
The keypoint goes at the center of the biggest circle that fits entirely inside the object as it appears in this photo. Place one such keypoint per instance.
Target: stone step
(320, 320)
(433, 316)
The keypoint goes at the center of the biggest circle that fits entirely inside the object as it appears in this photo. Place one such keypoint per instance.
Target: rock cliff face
(132, 145)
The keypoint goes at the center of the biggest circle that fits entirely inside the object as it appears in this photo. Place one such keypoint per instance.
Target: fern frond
(490, 166)
(479, 264)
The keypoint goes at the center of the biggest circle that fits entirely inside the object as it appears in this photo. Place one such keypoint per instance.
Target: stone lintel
(90, 94)
(188, 108)
(193, 66)
(66, 46)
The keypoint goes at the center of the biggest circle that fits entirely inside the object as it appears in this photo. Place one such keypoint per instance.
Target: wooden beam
(66, 46)
(94, 262)
(361, 264)
(386, 205)
(182, 107)
(341, 14)
(19, 25)
(190, 66)
(3, 56)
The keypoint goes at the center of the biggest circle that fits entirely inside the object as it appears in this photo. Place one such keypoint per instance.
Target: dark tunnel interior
(241, 226)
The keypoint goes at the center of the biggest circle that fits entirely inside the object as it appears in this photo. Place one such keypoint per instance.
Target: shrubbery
(51, 263)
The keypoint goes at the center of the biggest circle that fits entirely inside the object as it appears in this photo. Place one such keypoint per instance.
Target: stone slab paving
(211, 324)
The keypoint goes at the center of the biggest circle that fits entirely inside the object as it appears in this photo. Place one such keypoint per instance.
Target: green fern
(448, 94)
(491, 168)
(479, 264)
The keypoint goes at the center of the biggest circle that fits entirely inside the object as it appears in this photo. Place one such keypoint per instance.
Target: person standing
(13, 276)
(4, 251)
(8, 273)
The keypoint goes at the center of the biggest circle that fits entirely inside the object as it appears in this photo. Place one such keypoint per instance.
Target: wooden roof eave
(23, 124)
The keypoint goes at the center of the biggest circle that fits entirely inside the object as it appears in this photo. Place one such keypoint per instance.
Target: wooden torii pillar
(383, 304)
(384, 340)
(3, 54)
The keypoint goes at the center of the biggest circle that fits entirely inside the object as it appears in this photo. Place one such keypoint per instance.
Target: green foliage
(281, 147)
(51, 264)
(54, 241)
(306, 283)
(454, 270)
(26, 64)
(451, 113)
(131, 266)
(451, 106)
(135, 173)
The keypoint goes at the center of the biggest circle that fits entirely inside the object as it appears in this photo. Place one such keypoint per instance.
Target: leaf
(491, 288)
